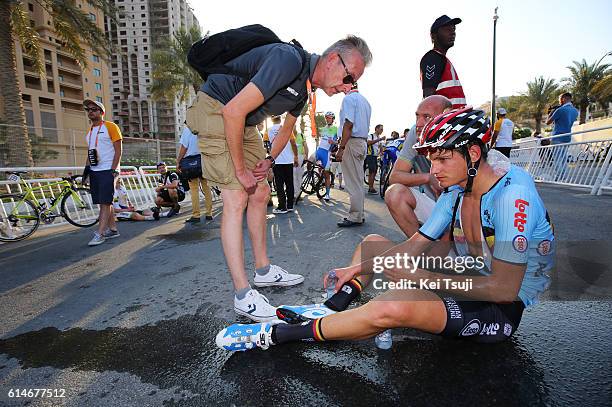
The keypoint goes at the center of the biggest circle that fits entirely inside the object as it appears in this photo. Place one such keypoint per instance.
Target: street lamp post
(495, 17)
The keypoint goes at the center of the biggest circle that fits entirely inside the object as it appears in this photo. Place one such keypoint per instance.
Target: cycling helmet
(457, 129)
(330, 114)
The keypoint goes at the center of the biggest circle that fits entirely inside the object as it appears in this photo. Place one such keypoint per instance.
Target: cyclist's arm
(401, 174)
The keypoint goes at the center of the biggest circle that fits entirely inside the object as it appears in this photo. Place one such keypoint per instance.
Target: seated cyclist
(492, 213)
(328, 138)
(125, 210)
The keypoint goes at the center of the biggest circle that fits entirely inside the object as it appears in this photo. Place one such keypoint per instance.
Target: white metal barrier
(581, 164)
(140, 184)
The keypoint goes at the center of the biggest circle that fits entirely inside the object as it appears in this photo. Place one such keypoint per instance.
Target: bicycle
(389, 156)
(313, 180)
(21, 213)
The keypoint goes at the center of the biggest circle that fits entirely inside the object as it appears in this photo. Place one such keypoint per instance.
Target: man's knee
(234, 200)
(398, 195)
(261, 195)
(375, 238)
(391, 314)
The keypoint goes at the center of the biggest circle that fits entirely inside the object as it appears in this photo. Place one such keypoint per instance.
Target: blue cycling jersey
(516, 228)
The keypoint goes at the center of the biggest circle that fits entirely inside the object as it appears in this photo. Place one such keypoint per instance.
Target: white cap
(501, 110)
(95, 102)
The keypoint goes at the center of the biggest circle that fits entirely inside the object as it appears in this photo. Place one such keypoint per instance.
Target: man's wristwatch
(269, 157)
(115, 172)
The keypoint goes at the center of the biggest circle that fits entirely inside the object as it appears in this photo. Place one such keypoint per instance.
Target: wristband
(271, 159)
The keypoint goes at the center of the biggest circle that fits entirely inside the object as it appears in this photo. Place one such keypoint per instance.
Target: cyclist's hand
(344, 274)
(248, 181)
(261, 169)
(296, 163)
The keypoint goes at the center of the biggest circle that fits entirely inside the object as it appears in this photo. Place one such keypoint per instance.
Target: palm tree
(582, 81)
(540, 94)
(73, 28)
(172, 75)
(602, 91)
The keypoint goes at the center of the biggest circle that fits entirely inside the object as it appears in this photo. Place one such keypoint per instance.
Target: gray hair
(349, 44)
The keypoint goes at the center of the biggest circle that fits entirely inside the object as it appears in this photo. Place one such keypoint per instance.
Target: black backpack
(210, 54)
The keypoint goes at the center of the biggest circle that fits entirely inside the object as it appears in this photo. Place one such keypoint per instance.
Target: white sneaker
(111, 234)
(278, 211)
(277, 277)
(255, 306)
(96, 240)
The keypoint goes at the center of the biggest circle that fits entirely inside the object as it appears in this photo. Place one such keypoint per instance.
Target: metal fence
(584, 164)
(140, 183)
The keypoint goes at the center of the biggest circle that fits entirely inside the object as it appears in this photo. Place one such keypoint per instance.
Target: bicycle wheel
(78, 208)
(384, 179)
(307, 186)
(19, 218)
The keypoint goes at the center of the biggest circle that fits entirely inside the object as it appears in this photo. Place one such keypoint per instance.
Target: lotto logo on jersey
(520, 243)
(520, 217)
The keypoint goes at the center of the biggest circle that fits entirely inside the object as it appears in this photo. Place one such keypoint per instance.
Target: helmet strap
(472, 171)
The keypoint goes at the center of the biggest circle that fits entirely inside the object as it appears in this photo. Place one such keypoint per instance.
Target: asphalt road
(132, 322)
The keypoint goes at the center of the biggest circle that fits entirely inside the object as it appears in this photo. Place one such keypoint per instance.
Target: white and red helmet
(454, 129)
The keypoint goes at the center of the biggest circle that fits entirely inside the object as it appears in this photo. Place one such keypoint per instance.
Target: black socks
(341, 300)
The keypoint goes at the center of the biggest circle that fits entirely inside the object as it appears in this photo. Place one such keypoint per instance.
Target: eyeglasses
(92, 109)
(348, 79)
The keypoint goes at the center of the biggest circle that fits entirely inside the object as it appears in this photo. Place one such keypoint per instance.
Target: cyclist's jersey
(515, 227)
(396, 144)
(120, 198)
(328, 134)
(392, 148)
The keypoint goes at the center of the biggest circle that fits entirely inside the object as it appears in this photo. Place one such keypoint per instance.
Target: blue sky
(533, 38)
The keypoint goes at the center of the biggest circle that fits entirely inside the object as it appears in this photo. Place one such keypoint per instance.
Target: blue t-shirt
(515, 229)
(563, 118)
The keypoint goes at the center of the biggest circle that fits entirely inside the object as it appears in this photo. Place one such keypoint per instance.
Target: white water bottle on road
(384, 340)
(331, 283)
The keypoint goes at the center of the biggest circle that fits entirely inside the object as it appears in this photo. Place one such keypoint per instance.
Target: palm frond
(27, 36)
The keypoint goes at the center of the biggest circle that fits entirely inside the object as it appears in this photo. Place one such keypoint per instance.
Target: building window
(146, 57)
(99, 99)
(92, 16)
(30, 6)
(144, 23)
(144, 32)
(144, 40)
(98, 86)
(95, 58)
(96, 72)
(62, 94)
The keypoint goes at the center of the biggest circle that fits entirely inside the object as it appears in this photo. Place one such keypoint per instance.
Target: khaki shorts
(204, 119)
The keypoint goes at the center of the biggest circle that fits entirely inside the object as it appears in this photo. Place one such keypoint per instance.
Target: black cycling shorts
(480, 321)
(370, 163)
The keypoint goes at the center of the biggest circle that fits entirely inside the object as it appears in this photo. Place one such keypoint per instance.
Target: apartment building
(53, 104)
(142, 24)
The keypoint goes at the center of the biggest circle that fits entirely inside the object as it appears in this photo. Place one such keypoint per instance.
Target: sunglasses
(348, 79)
(92, 109)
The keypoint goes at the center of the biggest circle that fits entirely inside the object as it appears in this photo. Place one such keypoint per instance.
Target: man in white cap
(103, 157)
(502, 133)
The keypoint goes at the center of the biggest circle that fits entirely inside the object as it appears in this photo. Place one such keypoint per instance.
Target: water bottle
(331, 283)
(384, 340)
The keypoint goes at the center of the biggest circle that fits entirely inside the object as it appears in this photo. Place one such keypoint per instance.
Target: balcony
(71, 83)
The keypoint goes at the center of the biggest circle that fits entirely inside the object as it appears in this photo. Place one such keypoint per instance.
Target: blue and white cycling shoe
(242, 337)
